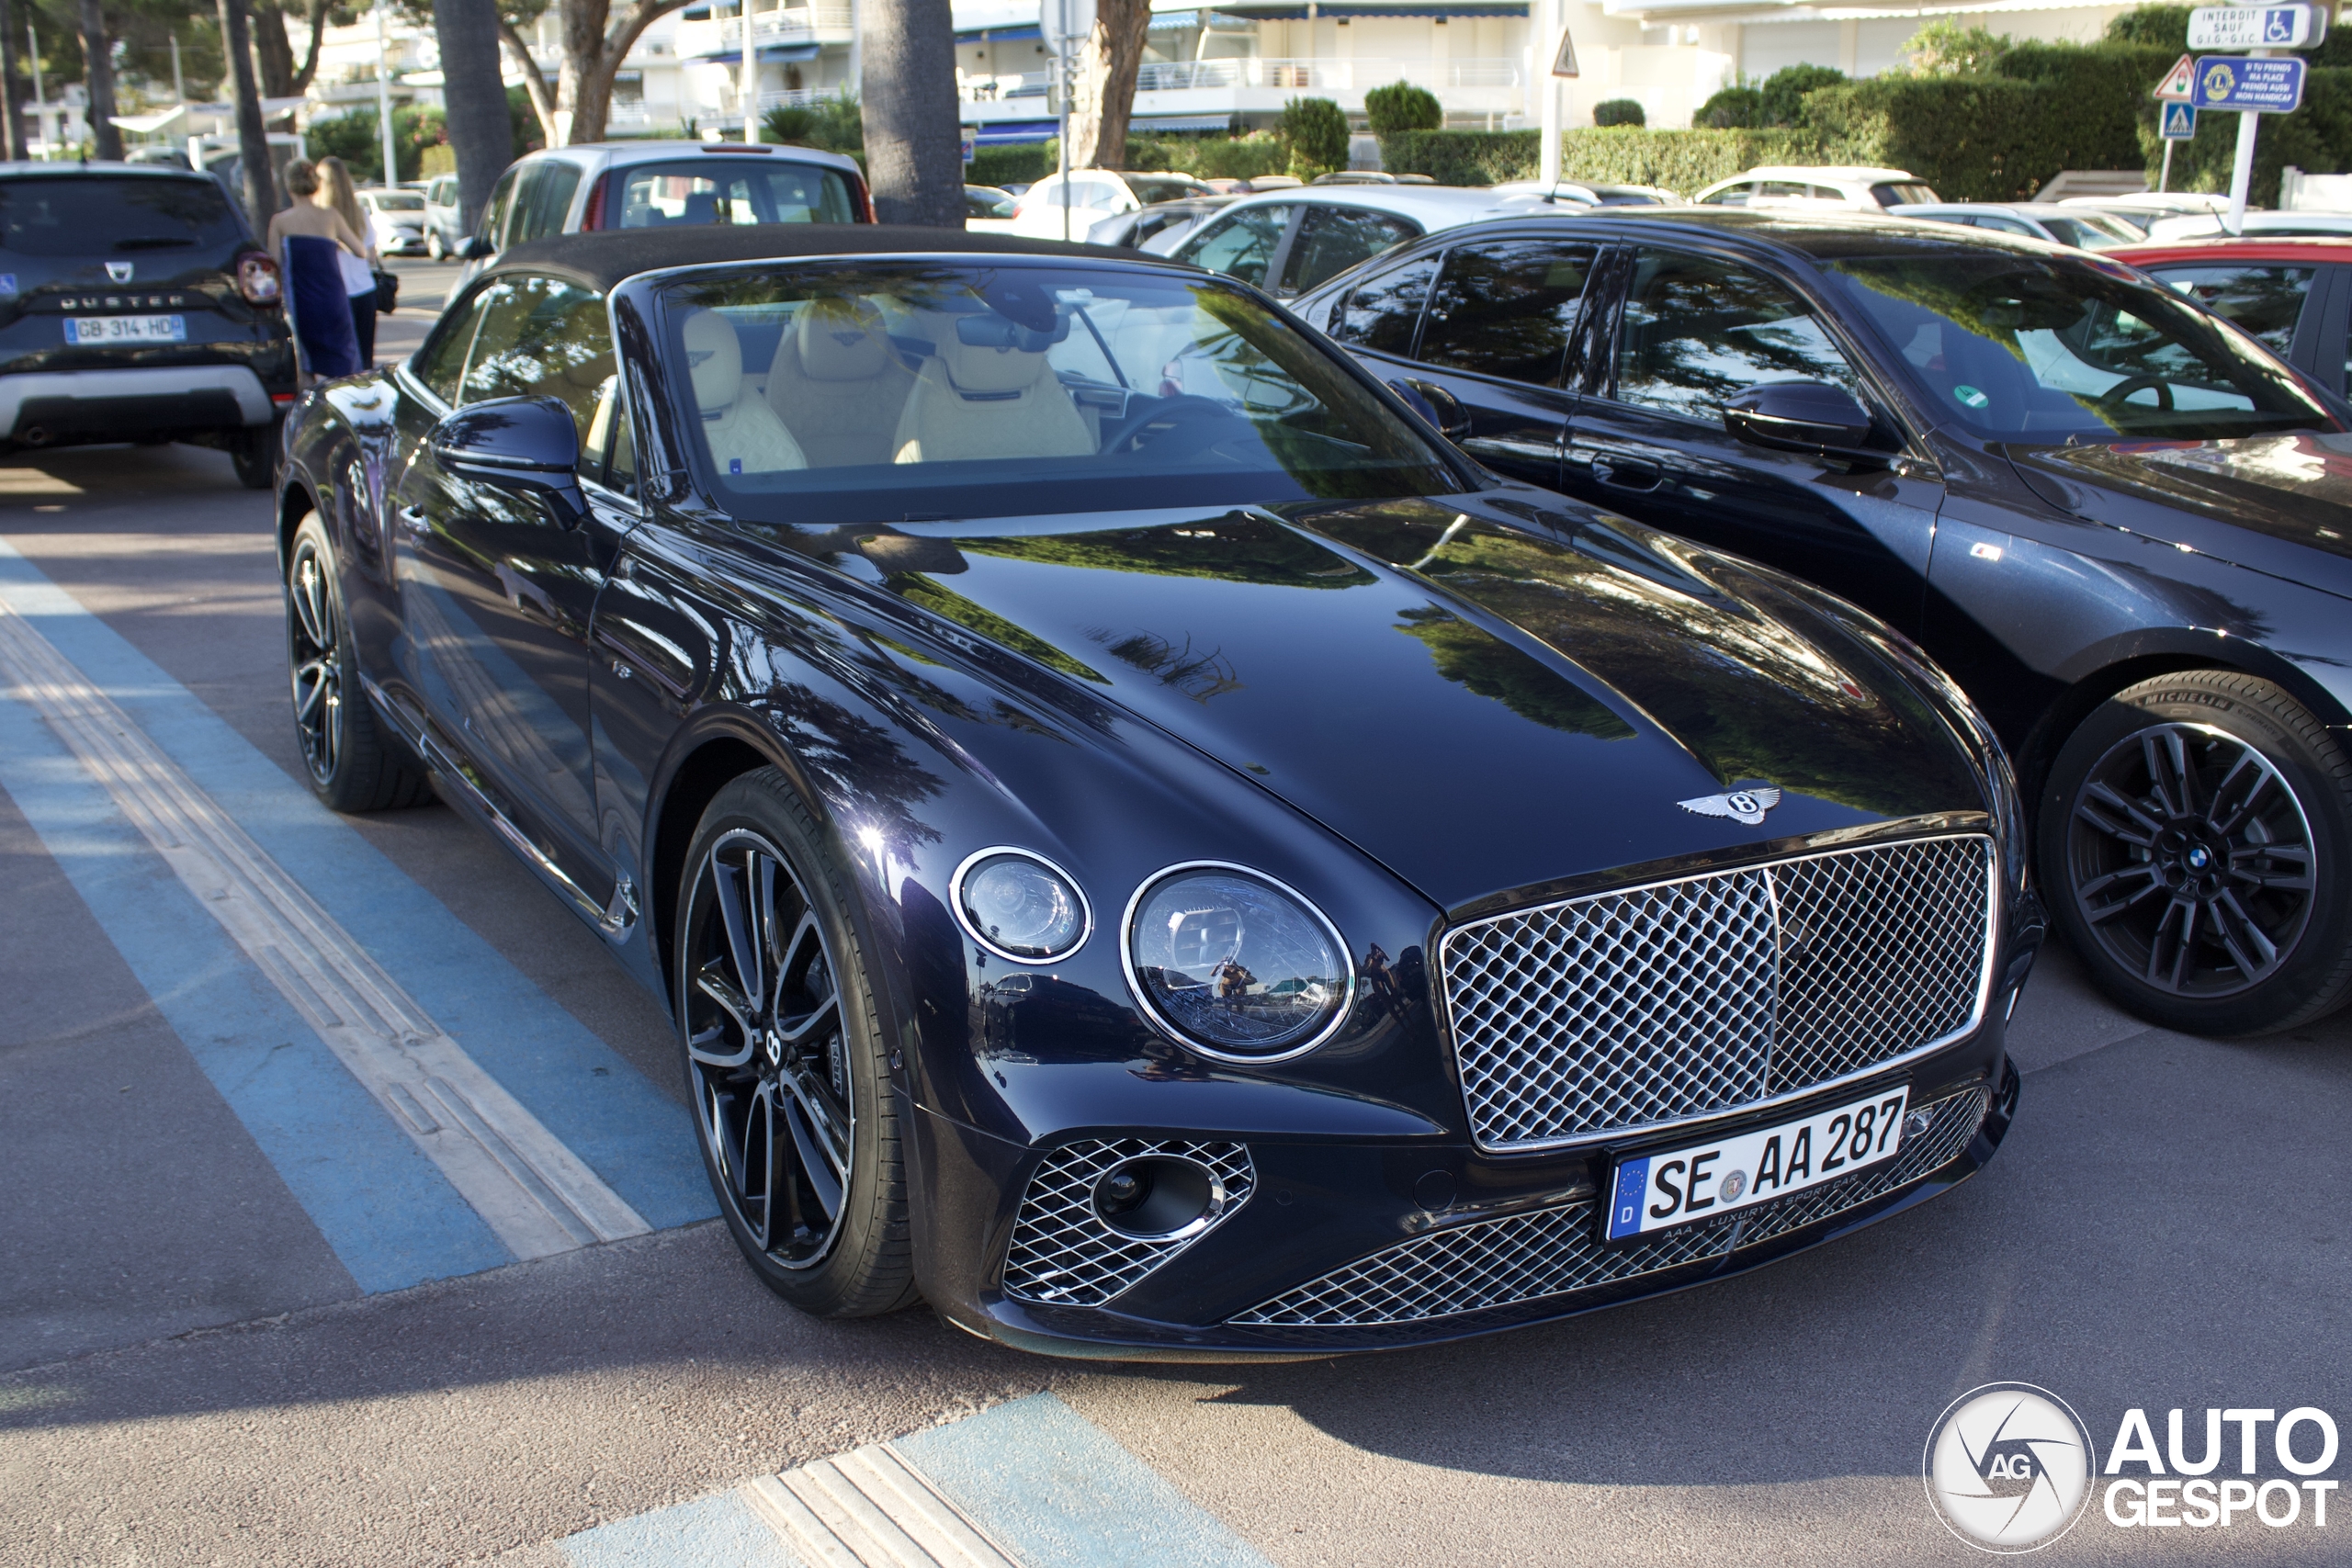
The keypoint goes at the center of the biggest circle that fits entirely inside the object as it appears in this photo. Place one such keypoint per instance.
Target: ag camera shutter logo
(2008, 1467)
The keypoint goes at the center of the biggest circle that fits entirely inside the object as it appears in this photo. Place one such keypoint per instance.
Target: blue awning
(770, 53)
(1001, 35)
(1290, 13)
(1014, 132)
(1179, 122)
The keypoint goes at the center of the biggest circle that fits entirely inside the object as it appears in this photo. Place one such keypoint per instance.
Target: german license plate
(83, 329)
(1705, 1181)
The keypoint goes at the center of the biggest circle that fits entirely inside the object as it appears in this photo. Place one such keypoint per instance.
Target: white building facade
(1209, 67)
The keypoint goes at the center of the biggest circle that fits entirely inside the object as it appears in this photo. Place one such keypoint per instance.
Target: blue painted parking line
(386, 1211)
(637, 1139)
(1031, 1482)
(632, 1138)
(719, 1531)
(1058, 1493)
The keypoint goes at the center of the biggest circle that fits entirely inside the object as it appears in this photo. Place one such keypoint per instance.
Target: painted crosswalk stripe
(1029, 1483)
(536, 1195)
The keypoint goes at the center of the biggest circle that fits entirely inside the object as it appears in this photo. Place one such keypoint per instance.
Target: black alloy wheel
(353, 764)
(2198, 824)
(784, 1065)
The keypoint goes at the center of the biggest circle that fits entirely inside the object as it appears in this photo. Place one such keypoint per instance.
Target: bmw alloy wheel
(2191, 860)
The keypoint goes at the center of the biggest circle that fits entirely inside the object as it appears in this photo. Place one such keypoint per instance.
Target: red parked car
(2294, 294)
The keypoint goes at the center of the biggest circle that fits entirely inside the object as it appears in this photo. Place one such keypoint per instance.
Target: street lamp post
(384, 100)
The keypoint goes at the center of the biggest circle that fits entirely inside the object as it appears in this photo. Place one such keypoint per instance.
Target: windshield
(69, 215)
(396, 201)
(2017, 349)
(862, 393)
(2087, 233)
(720, 188)
(1150, 188)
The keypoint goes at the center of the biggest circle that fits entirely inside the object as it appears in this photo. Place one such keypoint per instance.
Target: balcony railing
(1352, 77)
(1331, 76)
(826, 23)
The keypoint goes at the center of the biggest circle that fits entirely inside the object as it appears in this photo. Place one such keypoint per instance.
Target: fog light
(1158, 1198)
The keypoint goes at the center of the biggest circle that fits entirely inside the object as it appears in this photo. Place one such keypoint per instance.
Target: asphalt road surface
(241, 1323)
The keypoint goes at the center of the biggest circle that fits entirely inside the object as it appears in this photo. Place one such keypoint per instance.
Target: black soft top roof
(606, 257)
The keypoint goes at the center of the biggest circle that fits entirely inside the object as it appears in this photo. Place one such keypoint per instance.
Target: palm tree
(913, 145)
(98, 56)
(474, 99)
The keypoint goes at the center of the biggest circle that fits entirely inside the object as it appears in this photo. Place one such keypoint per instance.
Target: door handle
(1628, 473)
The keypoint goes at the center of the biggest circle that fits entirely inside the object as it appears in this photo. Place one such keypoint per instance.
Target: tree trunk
(480, 132)
(309, 72)
(12, 98)
(1104, 97)
(106, 137)
(252, 140)
(535, 84)
(913, 145)
(273, 56)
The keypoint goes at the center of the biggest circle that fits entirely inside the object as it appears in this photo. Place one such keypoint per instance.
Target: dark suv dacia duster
(134, 306)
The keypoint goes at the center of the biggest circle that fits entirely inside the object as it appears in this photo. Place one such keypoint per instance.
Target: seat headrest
(984, 353)
(715, 358)
(841, 340)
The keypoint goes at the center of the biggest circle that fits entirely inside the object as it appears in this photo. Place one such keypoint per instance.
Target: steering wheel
(1182, 409)
(2113, 396)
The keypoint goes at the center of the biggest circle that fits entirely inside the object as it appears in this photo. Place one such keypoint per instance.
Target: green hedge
(1997, 138)
(1972, 138)
(1680, 160)
(1208, 158)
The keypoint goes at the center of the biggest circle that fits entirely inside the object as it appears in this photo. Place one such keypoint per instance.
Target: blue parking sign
(2242, 82)
(2179, 122)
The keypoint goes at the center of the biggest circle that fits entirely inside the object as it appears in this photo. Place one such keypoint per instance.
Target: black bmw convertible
(1147, 847)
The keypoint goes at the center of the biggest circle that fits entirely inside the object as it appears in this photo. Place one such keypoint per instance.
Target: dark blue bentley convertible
(1146, 846)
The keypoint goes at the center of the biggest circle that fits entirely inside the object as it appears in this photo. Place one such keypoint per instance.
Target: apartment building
(1209, 67)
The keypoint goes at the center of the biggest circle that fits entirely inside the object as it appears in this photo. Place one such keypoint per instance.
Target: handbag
(388, 290)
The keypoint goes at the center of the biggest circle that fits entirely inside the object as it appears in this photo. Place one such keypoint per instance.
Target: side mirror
(476, 248)
(1437, 405)
(1802, 416)
(528, 446)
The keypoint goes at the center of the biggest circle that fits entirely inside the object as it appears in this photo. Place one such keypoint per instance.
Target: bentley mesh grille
(1063, 1253)
(1628, 1009)
(1555, 1251)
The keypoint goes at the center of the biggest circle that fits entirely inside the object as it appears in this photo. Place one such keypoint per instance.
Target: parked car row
(2117, 523)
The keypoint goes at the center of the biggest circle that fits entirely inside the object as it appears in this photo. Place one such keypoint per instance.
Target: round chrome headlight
(1020, 906)
(1235, 964)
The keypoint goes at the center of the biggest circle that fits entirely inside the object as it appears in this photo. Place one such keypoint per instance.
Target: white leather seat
(986, 399)
(744, 433)
(838, 385)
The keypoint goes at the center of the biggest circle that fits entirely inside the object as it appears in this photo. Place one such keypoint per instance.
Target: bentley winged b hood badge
(1746, 805)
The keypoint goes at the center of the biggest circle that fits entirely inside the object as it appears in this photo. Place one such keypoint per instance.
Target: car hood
(1487, 705)
(2279, 505)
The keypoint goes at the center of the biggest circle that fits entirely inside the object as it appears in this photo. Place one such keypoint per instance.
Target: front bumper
(42, 407)
(1350, 1247)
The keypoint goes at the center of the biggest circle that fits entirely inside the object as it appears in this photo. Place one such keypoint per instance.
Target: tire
(353, 763)
(253, 451)
(783, 1046)
(433, 243)
(2195, 840)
